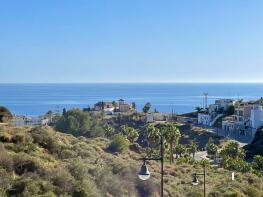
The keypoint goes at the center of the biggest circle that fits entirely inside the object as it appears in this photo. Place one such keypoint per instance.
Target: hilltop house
(123, 106)
(248, 117)
(112, 106)
(215, 111)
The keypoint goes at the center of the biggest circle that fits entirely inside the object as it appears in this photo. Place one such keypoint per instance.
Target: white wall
(204, 119)
(256, 117)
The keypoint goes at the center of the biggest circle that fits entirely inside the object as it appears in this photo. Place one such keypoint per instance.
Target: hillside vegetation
(256, 146)
(42, 162)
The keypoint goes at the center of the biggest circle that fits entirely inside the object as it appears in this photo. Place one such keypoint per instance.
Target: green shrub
(23, 164)
(6, 160)
(45, 139)
(25, 187)
(79, 123)
(5, 137)
(119, 144)
(5, 114)
(18, 138)
(6, 180)
(253, 192)
(62, 180)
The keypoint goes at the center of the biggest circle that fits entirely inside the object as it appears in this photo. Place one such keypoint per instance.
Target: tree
(172, 136)
(118, 144)
(114, 103)
(179, 150)
(233, 150)
(146, 107)
(78, 123)
(211, 148)
(193, 148)
(257, 163)
(130, 133)
(198, 109)
(151, 134)
(134, 105)
(235, 164)
(109, 131)
(5, 114)
(230, 110)
(64, 112)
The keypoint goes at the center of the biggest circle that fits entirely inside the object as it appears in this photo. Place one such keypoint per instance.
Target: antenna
(205, 94)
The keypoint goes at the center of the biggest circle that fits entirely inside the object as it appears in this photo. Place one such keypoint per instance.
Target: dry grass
(125, 166)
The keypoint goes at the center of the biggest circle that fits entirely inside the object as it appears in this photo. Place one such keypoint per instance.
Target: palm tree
(130, 133)
(172, 136)
(179, 150)
(193, 148)
(152, 134)
(109, 131)
(198, 109)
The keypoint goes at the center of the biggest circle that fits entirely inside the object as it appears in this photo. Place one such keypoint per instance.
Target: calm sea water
(35, 99)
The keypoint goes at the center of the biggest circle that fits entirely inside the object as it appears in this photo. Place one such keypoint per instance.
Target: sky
(133, 41)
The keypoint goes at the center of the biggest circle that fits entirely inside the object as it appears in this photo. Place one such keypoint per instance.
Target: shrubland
(44, 162)
(87, 158)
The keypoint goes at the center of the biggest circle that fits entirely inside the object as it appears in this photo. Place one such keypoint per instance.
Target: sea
(37, 99)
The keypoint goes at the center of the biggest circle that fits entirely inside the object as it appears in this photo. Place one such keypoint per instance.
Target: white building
(256, 117)
(228, 125)
(30, 120)
(149, 118)
(204, 119)
(221, 105)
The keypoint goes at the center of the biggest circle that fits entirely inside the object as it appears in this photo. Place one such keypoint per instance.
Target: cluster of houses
(24, 120)
(122, 107)
(244, 118)
(111, 107)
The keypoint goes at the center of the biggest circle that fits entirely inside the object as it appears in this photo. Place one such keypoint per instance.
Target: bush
(18, 138)
(45, 139)
(5, 181)
(79, 123)
(63, 181)
(23, 164)
(119, 144)
(5, 114)
(5, 137)
(26, 187)
(6, 161)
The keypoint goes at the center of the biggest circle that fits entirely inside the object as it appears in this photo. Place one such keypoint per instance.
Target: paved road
(241, 139)
(200, 155)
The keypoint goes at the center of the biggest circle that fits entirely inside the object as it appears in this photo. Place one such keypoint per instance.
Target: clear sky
(131, 41)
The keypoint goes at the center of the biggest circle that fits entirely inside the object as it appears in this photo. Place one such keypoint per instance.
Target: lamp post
(195, 179)
(144, 173)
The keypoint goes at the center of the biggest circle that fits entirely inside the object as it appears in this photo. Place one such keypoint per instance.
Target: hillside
(42, 162)
(256, 146)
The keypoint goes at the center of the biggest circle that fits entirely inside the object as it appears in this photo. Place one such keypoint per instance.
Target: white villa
(109, 107)
(215, 111)
(20, 120)
(248, 117)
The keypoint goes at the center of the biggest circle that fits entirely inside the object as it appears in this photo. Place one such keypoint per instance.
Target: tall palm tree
(193, 148)
(152, 134)
(130, 133)
(172, 136)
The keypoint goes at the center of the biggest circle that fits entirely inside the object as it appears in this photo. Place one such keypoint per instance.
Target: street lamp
(144, 173)
(195, 180)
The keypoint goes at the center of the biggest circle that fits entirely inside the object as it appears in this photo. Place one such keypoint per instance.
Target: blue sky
(131, 41)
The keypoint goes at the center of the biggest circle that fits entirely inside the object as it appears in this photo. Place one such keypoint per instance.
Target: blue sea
(36, 99)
